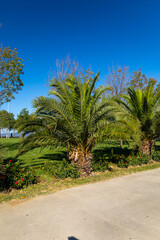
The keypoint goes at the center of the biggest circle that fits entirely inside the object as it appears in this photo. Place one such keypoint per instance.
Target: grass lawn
(49, 184)
(33, 158)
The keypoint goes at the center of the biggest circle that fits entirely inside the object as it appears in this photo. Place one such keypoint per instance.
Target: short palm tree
(75, 118)
(143, 107)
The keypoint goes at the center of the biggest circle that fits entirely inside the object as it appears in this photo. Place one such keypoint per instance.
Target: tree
(140, 81)
(22, 118)
(67, 67)
(117, 78)
(143, 107)
(75, 118)
(6, 120)
(11, 68)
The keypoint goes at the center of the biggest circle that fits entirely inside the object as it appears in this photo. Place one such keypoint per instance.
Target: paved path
(125, 208)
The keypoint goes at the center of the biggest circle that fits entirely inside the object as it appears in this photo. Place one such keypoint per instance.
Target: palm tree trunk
(152, 143)
(146, 147)
(82, 161)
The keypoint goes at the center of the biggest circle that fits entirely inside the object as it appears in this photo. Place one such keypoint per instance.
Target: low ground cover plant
(156, 156)
(123, 161)
(100, 161)
(16, 177)
(61, 169)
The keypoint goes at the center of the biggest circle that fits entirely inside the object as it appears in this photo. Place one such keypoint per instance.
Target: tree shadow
(55, 156)
(11, 146)
(157, 148)
(72, 238)
(111, 150)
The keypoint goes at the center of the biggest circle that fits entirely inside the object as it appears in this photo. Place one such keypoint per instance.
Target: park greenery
(82, 128)
(11, 68)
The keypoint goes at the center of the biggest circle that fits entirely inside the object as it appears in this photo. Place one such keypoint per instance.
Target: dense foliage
(123, 161)
(100, 161)
(11, 68)
(7, 121)
(22, 118)
(142, 108)
(61, 169)
(75, 118)
(14, 176)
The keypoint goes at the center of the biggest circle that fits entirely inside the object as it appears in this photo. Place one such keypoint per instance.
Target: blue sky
(99, 33)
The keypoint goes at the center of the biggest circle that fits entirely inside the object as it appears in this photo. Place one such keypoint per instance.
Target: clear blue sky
(100, 33)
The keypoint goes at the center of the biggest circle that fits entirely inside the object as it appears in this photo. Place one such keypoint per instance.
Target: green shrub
(156, 156)
(16, 177)
(123, 161)
(2, 165)
(25, 178)
(61, 169)
(120, 160)
(134, 160)
(100, 162)
(138, 160)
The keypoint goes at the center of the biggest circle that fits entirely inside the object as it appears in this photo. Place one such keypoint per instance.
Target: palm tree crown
(74, 118)
(143, 106)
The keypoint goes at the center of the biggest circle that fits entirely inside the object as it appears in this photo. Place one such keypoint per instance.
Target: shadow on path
(72, 238)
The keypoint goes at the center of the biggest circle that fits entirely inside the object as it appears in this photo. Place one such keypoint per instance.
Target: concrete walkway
(125, 208)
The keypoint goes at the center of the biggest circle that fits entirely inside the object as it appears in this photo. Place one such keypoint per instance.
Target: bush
(138, 160)
(16, 177)
(2, 165)
(100, 162)
(156, 156)
(123, 161)
(61, 169)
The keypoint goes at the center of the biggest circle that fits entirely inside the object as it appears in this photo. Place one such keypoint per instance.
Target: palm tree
(75, 118)
(142, 107)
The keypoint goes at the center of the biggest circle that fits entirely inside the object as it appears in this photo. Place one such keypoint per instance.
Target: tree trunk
(8, 133)
(146, 147)
(82, 161)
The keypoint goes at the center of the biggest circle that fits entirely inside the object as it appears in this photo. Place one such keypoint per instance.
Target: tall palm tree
(143, 107)
(75, 118)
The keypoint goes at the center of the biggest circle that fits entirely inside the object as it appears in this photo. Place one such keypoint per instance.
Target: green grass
(35, 157)
(49, 184)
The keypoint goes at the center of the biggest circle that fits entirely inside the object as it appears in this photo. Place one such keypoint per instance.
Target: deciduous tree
(6, 120)
(117, 78)
(140, 81)
(11, 68)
